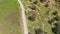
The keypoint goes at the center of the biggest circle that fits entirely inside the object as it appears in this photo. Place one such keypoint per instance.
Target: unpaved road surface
(23, 17)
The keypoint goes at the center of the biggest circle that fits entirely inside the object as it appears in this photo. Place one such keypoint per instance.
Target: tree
(55, 13)
(39, 31)
(42, 0)
(32, 17)
(57, 3)
(30, 0)
(56, 29)
(34, 7)
(51, 21)
(46, 5)
(57, 18)
(57, 0)
(35, 2)
(29, 33)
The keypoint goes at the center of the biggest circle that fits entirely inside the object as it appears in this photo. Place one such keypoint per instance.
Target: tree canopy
(56, 29)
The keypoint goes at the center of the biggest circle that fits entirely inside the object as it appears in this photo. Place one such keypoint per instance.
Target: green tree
(56, 29)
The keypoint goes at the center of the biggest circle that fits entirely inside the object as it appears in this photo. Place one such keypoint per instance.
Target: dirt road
(23, 17)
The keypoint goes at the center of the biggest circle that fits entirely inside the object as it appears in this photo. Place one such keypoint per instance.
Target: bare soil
(11, 24)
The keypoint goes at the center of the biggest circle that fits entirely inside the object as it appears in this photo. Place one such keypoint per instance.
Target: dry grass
(11, 24)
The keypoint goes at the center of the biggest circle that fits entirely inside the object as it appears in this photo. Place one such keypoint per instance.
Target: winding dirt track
(23, 17)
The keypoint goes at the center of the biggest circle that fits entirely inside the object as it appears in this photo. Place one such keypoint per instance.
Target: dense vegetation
(42, 12)
(56, 29)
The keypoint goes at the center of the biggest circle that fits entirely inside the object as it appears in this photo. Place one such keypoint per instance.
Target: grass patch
(9, 17)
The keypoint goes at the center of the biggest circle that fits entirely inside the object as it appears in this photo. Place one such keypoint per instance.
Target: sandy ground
(23, 17)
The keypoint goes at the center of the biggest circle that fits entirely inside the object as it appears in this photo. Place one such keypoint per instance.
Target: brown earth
(11, 24)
